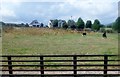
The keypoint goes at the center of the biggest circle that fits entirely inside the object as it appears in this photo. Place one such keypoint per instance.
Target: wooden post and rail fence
(8, 65)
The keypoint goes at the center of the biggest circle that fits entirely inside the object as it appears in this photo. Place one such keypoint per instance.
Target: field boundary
(75, 59)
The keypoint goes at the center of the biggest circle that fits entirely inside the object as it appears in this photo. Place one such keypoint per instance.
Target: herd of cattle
(103, 35)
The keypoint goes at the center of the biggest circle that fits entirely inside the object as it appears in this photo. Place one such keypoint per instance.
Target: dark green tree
(88, 24)
(71, 24)
(116, 25)
(80, 24)
(55, 23)
(73, 27)
(96, 25)
(41, 25)
(65, 26)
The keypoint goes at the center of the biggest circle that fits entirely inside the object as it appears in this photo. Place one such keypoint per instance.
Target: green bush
(102, 29)
(108, 30)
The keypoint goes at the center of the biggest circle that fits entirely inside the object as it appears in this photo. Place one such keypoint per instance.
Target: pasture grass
(49, 41)
(44, 41)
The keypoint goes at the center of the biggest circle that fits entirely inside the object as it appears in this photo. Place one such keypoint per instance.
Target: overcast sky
(24, 11)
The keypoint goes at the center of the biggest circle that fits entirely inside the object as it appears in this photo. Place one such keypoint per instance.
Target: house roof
(34, 22)
(51, 20)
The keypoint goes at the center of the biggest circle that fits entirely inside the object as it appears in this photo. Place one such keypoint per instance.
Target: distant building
(50, 23)
(35, 23)
(59, 25)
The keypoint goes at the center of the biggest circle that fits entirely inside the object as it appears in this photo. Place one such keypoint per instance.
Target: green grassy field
(57, 41)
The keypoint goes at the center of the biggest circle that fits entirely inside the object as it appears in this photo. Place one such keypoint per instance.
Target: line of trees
(96, 26)
(116, 25)
(80, 25)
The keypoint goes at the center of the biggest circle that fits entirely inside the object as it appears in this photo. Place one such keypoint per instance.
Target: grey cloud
(44, 11)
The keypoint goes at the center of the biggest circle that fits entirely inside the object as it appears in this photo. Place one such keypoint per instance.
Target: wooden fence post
(105, 65)
(10, 66)
(75, 65)
(42, 66)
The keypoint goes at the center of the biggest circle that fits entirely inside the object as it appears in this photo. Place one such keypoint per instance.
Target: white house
(35, 23)
(60, 23)
(50, 24)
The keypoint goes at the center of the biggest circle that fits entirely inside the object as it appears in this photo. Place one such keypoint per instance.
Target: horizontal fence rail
(60, 65)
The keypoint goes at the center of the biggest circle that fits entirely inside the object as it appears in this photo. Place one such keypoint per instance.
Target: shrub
(102, 29)
(108, 30)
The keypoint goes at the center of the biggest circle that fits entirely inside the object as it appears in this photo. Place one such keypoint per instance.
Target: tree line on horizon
(80, 25)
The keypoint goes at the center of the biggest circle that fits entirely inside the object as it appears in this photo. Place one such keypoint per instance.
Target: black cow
(83, 34)
(104, 35)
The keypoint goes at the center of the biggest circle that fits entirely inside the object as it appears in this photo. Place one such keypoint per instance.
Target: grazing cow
(104, 35)
(83, 34)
